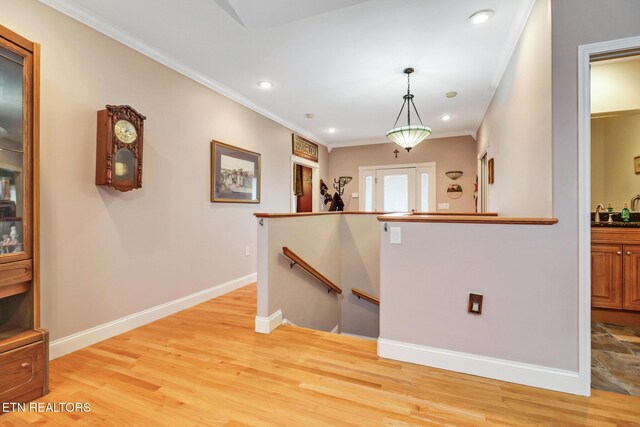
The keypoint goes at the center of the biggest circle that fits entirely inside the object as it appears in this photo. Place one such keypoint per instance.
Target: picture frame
(490, 166)
(304, 148)
(235, 174)
(636, 165)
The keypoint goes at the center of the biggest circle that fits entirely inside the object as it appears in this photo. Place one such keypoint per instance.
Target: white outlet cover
(396, 236)
(443, 205)
(354, 195)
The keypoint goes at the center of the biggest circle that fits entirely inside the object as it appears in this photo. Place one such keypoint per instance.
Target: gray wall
(455, 153)
(106, 254)
(516, 130)
(344, 248)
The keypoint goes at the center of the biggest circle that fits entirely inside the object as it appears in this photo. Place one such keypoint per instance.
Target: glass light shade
(408, 136)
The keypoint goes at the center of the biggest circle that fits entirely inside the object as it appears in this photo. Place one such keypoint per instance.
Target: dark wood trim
(36, 188)
(309, 269)
(19, 339)
(301, 214)
(615, 235)
(467, 219)
(616, 317)
(16, 38)
(492, 214)
(293, 214)
(366, 296)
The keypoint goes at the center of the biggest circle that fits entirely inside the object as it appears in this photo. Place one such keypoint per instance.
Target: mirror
(615, 171)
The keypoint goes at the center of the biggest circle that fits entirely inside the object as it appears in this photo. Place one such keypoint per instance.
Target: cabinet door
(606, 276)
(631, 277)
(16, 136)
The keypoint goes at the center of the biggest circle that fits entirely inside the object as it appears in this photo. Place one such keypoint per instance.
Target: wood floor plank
(206, 366)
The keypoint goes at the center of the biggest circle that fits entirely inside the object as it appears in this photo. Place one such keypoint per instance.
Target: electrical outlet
(247, 251)
(475, 304)
(443, 205)
(354, 195)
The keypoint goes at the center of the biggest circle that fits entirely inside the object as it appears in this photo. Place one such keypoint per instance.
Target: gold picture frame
(235, 174)
(636, 165)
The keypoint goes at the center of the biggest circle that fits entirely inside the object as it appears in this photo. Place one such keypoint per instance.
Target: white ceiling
(341, 60)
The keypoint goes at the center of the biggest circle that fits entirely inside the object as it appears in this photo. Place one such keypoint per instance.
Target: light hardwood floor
(206, 366)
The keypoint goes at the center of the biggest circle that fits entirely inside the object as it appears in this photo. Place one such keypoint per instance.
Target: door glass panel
(125, 165)
(368, 193)
(11, 152)
(424, 192)
(396, 193)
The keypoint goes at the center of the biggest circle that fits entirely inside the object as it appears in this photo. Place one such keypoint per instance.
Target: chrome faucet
(634, 203)
(597, 218)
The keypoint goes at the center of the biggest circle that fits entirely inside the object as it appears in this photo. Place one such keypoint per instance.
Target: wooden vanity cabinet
(631, 277)
(615, 275)
(606, 276)
(24, 346)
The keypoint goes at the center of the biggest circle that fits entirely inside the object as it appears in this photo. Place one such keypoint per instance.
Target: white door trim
(315, 183)
(430, 166)
(584, 199)
(401, 166)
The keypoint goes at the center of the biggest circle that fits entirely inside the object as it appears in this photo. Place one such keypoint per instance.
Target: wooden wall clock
(119, 152)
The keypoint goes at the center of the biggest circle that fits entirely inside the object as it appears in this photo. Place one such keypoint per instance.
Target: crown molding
(67, 8)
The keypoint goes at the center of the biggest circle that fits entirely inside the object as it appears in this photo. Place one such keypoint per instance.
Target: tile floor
(615, 358)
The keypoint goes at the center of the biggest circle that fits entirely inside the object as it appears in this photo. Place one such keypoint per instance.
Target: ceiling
(340, 60)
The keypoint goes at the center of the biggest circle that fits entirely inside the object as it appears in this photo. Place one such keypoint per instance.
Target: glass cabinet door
(14, 136)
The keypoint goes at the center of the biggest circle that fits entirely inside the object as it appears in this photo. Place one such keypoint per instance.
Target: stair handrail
(309, 269)
(365, 296)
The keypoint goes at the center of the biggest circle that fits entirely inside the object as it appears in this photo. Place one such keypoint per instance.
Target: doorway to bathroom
(615, 221)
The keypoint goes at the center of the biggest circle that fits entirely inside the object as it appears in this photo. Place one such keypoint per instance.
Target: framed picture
(235, 174)
(491, 171)
(636, 165)
(304, 148)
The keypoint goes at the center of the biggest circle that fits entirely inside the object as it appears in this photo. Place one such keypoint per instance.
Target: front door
(396, 190)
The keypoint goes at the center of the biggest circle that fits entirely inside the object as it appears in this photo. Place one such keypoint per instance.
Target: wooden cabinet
(606, 276)
(631, 277)
(23, 344)
(615, 275)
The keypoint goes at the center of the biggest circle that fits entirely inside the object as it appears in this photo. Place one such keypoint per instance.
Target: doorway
(609, 337)
(615, 257)
(398, 188)
(303, 188)
(305, 185)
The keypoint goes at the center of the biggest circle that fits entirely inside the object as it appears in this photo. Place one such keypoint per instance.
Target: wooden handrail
(363, 295)
(306, 267)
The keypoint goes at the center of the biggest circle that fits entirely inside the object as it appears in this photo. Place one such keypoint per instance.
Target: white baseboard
(85, 338)
(266, 325)
(362, 337)
(288, 322)
(499, 369)
(336, 329)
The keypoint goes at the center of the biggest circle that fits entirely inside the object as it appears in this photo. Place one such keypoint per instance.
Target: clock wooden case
(119, 151)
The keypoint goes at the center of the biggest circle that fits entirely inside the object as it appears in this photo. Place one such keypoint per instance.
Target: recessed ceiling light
(451, 94)
(481, 16)
(445, 117)
(331, 130)
(309, 115)
(265, 84)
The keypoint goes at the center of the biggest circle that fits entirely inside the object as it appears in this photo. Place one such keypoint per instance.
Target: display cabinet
(23, 344)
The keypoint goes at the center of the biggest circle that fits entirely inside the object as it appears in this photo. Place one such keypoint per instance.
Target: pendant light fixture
(410, 135)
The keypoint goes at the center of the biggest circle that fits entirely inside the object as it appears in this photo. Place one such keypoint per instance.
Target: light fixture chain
(400, 113)
(416, 110)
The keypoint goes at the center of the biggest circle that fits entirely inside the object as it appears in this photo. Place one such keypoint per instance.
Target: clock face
(125, 131)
